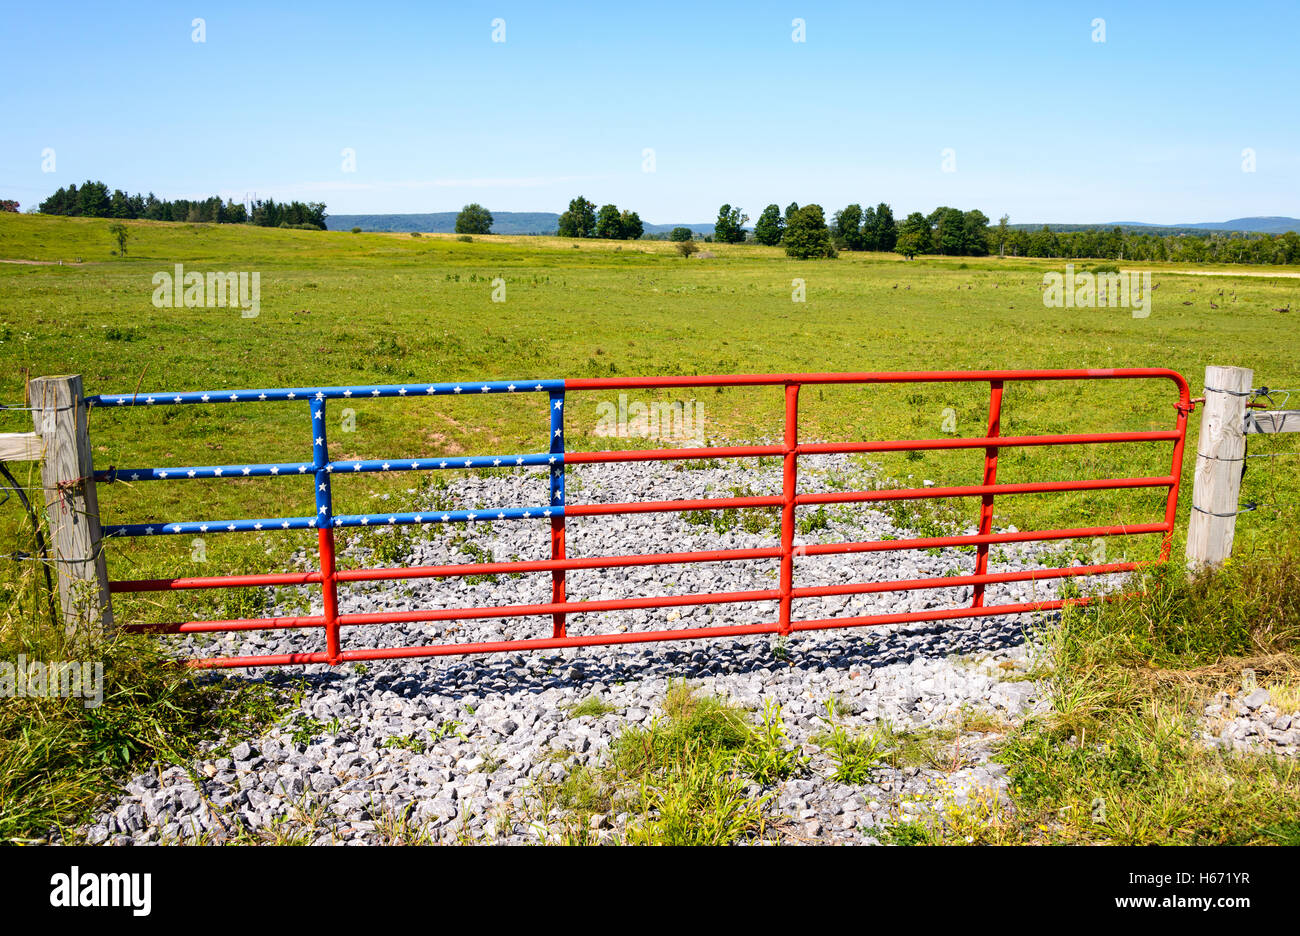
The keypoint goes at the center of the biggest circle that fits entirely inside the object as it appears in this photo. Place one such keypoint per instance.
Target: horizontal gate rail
(555, 509)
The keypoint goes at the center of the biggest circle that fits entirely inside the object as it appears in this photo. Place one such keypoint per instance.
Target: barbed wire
(27, 557)
(1244, 508)
(1267, 393)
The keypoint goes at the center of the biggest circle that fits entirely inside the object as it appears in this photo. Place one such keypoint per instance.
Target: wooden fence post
(71, 504)
(1221, 453)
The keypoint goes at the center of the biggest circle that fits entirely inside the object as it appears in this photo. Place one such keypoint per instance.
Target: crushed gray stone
(455, 746)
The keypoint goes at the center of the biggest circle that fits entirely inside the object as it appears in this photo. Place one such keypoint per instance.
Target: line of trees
(1118, 244)
(94, 200)
(803, 231)
(949, 232)
(582, 219)
(873, 229)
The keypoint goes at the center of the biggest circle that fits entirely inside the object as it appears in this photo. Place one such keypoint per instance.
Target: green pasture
(341, 308)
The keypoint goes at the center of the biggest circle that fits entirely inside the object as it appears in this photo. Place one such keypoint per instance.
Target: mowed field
(339, 308)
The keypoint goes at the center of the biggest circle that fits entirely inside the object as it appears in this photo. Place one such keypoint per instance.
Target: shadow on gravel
(484, 676)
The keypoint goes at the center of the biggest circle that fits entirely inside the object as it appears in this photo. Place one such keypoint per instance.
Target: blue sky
(1044, 123)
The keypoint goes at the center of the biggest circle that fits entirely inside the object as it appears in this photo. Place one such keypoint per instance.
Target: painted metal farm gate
(556, 458)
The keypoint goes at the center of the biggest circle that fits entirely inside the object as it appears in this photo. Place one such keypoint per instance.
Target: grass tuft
(593, 705)
(1118, 758)
(688, 778)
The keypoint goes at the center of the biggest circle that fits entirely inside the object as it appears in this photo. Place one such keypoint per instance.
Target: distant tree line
(1118, 244)
(949, 232)
(93, 200)
(803, 231)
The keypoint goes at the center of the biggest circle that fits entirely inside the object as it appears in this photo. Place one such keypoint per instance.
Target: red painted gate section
(785, 596)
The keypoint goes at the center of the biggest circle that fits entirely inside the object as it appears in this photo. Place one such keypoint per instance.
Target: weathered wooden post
(1220, 455)
(71, 504)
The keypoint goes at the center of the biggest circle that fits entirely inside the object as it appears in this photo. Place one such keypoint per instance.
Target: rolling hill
(503, 222)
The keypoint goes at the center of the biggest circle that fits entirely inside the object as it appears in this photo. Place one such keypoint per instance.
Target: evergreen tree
(93, 200)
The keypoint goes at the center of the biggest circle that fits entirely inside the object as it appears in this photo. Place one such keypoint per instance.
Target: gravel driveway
(453, 745)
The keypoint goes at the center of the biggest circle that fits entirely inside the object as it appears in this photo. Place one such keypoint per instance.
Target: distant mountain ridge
(503, 222)
(1260, 225)
(545, 222)
(1257, 225)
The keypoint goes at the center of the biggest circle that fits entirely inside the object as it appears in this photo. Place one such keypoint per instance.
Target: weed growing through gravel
(401, 828)
(449, 728)
(757, 520)
(767, 759)
(696, 464)
(477, 553)
(854, 754)
(686, 785)
(930, 748)
(927, 520)
(688, 778)
(407, 742)
(387, 546)
(819, 519)
(906, 833)
(983, 818)
(306, 729)
(982, 722)
(592, 705)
